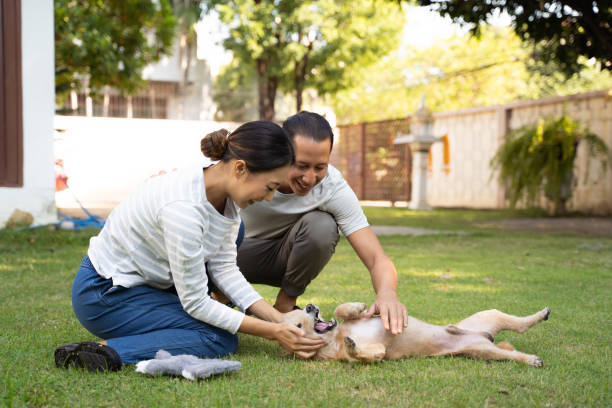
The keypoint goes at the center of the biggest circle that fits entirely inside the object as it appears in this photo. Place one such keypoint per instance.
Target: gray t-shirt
(272, 219)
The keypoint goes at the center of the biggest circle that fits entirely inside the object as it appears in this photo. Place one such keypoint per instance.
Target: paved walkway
(393, 230)
(601, 226)
(596, 226)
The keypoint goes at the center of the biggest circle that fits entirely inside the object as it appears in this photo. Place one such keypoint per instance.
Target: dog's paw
(350, 311)
(349, 343)
(546, 313)
(535, 361)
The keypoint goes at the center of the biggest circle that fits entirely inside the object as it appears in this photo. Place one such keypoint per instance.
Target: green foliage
(188, 13)
(109, 42)
(458, 72)
(235, 93)
(294, 45)
(548, 79)
(541, 157)
(562, 31)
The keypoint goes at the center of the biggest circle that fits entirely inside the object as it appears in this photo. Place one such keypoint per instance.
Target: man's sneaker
(90, 355)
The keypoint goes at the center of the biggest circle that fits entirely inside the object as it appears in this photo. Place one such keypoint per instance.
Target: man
(290, 239)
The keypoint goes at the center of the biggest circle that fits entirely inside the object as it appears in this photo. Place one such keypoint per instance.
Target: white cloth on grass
(190, 367)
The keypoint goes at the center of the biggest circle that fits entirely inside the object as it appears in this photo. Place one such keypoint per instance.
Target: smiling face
(254, 187)
(311, 162)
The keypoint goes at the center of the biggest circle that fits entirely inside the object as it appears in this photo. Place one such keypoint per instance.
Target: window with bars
(150, 103)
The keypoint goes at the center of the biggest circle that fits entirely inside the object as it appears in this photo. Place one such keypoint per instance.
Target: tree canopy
(109, 42)
(563, 31)
(456, 72)
(459, 72)
(292, 45)
(235, 93)
(187, 13)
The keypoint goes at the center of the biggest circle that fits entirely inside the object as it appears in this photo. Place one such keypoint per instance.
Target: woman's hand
(293, 340)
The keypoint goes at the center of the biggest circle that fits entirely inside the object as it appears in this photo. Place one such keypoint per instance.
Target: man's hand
(392, 312)
(384, 279)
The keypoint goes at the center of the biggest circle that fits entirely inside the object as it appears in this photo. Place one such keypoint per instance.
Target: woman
(144, 284)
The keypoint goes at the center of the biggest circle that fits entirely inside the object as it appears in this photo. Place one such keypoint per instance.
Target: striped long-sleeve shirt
(163, 234)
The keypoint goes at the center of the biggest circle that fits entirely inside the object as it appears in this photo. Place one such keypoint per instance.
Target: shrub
(540, 157)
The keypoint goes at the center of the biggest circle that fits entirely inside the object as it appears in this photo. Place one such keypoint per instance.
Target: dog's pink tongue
(321, 325)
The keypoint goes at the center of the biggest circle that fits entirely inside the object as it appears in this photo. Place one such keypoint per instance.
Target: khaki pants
(293, 260)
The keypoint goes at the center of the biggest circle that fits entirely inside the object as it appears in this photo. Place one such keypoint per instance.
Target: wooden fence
(461, 176)
(374, 167)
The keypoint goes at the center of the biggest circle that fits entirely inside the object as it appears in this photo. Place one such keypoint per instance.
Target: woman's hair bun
(214, 144)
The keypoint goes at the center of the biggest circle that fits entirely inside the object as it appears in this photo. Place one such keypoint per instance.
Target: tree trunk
(184, 56)
(266, 86)
(299, 78)
(299, 89)
(184, 70)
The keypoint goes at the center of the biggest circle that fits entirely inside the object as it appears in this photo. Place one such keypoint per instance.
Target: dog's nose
(311, 308)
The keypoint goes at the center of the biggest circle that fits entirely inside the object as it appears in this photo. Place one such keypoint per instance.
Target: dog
(365, 339)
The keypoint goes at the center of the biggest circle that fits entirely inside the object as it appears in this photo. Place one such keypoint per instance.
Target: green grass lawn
(442, 279)
(443, 219)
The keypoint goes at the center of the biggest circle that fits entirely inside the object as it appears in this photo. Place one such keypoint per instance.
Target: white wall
(37, 194)
(105, 159)
(473, 140)
(475, 134)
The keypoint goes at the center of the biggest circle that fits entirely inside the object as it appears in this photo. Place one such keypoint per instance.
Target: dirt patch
(601, 226)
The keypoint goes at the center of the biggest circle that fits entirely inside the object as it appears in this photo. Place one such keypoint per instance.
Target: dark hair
(263, 146)
(309, 124)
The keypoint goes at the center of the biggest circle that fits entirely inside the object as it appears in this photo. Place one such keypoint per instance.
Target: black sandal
(91, 355)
